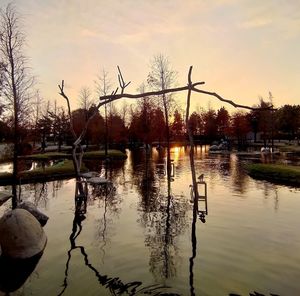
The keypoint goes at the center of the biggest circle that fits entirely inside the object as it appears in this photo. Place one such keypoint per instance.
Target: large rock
(32, 209)
(21, 235)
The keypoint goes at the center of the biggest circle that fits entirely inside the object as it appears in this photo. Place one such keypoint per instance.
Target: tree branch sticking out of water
(194, 180)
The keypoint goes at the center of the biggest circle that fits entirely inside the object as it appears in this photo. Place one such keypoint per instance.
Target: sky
(242, 49)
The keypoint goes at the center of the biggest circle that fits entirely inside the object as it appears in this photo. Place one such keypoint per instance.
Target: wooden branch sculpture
(190, 87)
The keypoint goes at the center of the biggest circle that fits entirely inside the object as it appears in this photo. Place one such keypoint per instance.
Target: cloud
(255, 23)
(88, 33)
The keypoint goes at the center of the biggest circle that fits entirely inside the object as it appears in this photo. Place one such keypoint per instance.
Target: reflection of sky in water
(250, 241)
(6, 167)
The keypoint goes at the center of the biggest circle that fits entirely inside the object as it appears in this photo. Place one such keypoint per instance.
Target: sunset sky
(242, 49)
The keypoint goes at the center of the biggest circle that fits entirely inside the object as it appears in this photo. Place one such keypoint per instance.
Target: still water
(137, 239)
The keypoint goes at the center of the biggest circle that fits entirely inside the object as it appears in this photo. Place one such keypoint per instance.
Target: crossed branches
(190, 87)
(193, 87)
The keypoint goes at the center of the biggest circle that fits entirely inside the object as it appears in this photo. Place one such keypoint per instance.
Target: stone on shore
(21, 235)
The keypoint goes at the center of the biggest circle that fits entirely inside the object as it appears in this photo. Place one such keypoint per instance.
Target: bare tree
(103, 87)
(16, 79)
(85, 98)
(36, 114)
(162, 77)
(85, 103)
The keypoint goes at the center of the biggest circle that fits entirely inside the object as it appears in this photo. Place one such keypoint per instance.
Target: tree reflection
(163, 216)
(113, 284)
(111, 208)
(39, 194)
(194, 249)
(239, 176)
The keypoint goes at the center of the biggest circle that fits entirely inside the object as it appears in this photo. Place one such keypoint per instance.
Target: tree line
(144, 123)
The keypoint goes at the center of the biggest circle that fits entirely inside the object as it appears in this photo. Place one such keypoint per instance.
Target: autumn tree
(44, 128)
(96, 128)
(118, 130)
(195, 123)
(177, 126)
(210, 126)
(60, 124)
(140, 129)
(79, 120)
(240, 127)
(288, 120)
(145, 108)
(261, 119)
(222, 122)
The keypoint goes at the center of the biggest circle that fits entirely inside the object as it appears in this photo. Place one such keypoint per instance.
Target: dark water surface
(137, 240)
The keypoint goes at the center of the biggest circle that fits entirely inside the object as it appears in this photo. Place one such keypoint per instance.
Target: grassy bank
(100, 154)
(61, 170)
(281, 174)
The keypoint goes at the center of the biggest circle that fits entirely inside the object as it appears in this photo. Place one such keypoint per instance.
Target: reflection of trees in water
(113, 284)
(194, 249)
(163, 227)
(38, 193)
(108, 169)
(229, 168)
(239, 176)
(163, 216)
(109, 209)
(107, 201)
(269, 190)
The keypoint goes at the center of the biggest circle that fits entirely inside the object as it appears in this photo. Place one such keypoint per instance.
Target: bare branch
(191, 139)
(115, 96)
(122, 83)
(62, 93)
(147, 94)
(190, 86)
(227, 100)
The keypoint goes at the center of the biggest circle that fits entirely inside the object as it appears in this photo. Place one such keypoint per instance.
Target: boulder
(31, 208)
(21, 235)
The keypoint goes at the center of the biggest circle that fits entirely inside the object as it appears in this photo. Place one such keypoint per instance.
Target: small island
(276, 173)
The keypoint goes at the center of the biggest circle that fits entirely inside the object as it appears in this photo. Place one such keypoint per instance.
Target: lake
(136, 239)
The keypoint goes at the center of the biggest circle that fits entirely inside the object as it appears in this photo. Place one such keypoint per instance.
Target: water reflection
(113, 284)
(39, 193)
(194, 250)
(162, 214)
(179, 252)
